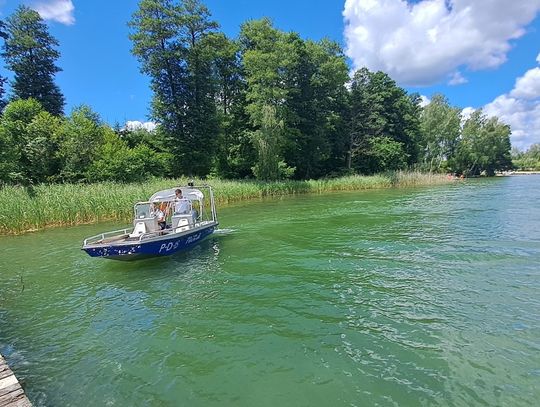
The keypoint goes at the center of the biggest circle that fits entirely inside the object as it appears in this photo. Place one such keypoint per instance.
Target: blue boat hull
(165, 246)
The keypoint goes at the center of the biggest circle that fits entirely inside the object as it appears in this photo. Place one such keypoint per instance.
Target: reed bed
(29, 209)
(400, 179)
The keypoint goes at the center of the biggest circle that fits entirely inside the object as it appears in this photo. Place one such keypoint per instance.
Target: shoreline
(26, 210)
(525, 173)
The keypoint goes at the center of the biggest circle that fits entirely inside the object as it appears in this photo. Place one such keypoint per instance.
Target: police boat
(171, 220)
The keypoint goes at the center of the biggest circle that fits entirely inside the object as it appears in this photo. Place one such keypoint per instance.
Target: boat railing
(109, 237)
(149, 235)
(106, 235)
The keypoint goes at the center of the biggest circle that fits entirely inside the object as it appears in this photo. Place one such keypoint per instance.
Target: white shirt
(182, 205)
(159, 214)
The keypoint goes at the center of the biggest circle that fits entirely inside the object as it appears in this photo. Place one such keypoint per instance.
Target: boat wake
(224, 231)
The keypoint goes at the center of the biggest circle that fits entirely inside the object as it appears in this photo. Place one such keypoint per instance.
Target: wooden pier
(11, 392)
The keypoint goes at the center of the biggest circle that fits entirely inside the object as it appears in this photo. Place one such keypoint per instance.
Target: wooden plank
(8, 381)
(18, 398)
(5, 373)
(11, 392)
(24, 402)
(21, 402)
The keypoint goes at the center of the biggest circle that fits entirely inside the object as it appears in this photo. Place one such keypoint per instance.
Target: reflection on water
(397, 297)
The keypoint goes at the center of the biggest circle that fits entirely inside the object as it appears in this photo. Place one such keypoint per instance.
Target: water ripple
(399, 297)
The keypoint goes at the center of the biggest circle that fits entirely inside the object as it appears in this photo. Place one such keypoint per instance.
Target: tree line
(267, 105)
(527, 160)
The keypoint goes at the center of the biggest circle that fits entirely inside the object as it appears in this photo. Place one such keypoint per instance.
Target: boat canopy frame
(191, 193)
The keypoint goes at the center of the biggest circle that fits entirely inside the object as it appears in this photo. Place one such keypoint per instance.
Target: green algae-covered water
(395, 297)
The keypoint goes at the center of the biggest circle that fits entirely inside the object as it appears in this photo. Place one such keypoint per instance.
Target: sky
(479, 53)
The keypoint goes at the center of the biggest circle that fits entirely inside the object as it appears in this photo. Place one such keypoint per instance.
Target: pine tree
(30, 53)
(384, 120)
(3, 34)
(172, 40)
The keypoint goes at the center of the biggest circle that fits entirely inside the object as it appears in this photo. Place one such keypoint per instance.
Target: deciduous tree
(269, 167)
(28, 135)
(315, 74)
(116, 161)
(484, 146)
(441, 127)
(80, 139)
(528, 160)
(263, 51)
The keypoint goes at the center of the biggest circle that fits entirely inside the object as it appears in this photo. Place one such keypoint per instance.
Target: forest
(527, 160)
(267, 105)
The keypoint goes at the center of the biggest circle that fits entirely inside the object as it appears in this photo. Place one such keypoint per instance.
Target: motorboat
(165, 224)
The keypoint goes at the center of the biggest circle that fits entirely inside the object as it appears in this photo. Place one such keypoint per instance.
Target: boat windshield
(143, 210)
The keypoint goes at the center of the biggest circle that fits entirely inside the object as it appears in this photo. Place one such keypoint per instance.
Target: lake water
(404, 297)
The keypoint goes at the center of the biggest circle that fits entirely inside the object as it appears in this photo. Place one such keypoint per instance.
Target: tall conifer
(30, 53)
(3, 34)
(172, 40)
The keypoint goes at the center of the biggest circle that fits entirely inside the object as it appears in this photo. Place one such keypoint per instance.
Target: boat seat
(140, 229)
(183, 219)
(182, 225)
(150, 225)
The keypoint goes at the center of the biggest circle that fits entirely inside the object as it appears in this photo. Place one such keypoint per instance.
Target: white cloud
(466, 113)
(425, 42)
(520, 108)
(523, 116)
(424, 101)
(457, 79)
(136, 125)
(528, 86)
(56, 10)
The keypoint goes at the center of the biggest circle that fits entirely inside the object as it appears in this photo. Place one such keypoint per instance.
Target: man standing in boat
(181, 204)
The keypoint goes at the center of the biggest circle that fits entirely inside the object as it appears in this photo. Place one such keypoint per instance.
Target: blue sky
(479, 53)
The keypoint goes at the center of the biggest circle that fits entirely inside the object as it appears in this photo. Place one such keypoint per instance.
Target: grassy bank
(24, 209)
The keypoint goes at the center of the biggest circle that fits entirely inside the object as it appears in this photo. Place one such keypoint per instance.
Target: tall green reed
(26, 209)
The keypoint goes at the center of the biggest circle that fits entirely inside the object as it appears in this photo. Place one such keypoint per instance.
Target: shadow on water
(181, 262)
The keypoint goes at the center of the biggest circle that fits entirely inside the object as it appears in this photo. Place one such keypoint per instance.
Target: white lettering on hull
(171, 246)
